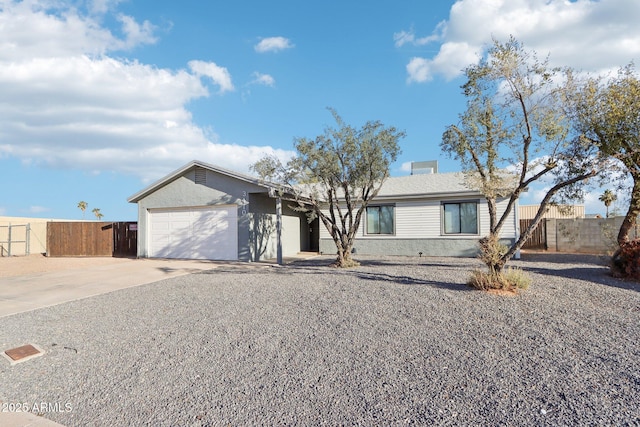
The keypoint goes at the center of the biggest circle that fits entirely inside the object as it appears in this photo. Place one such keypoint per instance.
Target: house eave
(438, 195)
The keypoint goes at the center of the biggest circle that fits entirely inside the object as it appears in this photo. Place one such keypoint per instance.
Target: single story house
(202, 211)
(435, 214)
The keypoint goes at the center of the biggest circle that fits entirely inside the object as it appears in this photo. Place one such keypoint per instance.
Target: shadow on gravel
(599, 275)
(564, 258)
(591, 268)
(411, 281)
(324, 267)
(464, 263)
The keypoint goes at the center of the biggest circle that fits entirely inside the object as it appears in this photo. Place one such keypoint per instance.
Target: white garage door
(194, 233)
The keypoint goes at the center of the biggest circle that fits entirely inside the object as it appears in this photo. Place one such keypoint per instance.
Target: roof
(196, 163)
(426, 185)
(420, 186)
(401, 187)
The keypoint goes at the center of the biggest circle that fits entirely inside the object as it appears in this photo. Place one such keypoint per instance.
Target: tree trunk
(491, 254)
(632, 213)
(496, 268)
(344, 259)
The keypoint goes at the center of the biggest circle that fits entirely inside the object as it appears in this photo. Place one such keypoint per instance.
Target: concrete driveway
(37, 290)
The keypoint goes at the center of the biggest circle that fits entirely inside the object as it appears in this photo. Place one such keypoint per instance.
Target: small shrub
(626, 263)
(482, 280)
(510, 279)
(518, 278)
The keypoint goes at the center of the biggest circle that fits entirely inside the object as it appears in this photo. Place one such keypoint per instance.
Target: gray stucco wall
(411, 247)
(263, 235)
(252, 202)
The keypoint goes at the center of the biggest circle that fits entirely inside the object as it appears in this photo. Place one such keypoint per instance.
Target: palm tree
(607, 198)
(97, 213)
(82, 205)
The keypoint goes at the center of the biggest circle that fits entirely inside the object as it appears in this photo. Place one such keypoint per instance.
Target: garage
(202, 211)
(209, 232)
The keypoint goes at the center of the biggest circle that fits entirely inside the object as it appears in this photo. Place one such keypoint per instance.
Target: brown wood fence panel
(125, 239)
(538, 239)
(79, 239)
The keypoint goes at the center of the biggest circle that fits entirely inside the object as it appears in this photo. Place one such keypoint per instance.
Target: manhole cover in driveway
(23, 353)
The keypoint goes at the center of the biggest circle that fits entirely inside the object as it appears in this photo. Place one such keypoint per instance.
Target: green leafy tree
(82, 205)
(97, 213)
(512, 135)
(608, 197)
(607, 112)
(334, 176)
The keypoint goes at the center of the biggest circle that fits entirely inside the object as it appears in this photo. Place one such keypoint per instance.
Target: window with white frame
(460, 218)
(380, 219)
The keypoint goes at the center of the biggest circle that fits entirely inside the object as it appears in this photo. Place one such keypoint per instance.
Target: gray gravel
(396, 341)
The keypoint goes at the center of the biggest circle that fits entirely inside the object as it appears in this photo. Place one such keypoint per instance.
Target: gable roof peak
(191, 165)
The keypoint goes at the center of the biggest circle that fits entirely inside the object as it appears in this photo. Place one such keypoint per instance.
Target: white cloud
(102, 6)
(448, 62)
(273, 44)
(263, 79)
(38, 29)
(67, 104)
(409, 37)
(136, 34)
(38, 209)
(584, 34)
(219, 75)
(419, 70)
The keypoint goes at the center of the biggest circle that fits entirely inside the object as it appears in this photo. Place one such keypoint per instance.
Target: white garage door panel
(197, 233)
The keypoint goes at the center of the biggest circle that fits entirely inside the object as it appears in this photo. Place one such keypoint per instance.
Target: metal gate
(15, 239)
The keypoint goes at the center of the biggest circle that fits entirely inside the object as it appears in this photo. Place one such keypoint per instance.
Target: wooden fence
(538, 239)
(91, 239)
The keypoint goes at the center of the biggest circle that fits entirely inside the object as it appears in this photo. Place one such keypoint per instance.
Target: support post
(279, 229)
(9, 239)
(28, 239)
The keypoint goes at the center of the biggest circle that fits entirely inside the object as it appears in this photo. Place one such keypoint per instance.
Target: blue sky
(100, 98)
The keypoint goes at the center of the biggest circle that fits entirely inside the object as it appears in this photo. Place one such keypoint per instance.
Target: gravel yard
(396, 341)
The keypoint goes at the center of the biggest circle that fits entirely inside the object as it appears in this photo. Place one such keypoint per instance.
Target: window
(460, 218)
(380, 219)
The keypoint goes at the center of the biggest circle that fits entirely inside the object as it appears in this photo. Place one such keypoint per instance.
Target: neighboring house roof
(195, 163)
(553, 211)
